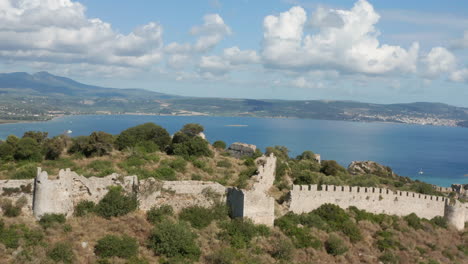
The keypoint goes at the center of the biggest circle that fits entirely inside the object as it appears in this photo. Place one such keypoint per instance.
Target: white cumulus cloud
(346, 40)
(58, 31)
(439, 61)
(459, 75)
(210, 33)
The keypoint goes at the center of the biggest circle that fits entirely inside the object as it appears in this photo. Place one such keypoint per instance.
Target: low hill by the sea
(42, 95)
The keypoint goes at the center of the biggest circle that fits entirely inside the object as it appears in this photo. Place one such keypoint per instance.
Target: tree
(99, 144)
(219, 144)
(39, 136)
(140, 134)
(116, 203)
(28, 149)
(6, 151)
(53, 148)
(306, 155)
(331, 167)
(196, 146)
(192, 129)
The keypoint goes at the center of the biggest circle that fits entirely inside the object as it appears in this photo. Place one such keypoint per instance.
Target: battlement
(367, 190)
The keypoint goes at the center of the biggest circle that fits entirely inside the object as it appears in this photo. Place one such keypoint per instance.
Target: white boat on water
(420, 172)
(69, 131)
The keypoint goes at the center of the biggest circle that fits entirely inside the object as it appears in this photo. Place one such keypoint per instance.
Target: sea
(441, 153)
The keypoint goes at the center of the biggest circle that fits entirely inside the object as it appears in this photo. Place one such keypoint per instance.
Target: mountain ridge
(48, 95)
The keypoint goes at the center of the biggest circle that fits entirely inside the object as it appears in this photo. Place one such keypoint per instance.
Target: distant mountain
(42, 95)
(44, 83)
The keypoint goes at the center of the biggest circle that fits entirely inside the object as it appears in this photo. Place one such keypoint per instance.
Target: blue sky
(372, 51)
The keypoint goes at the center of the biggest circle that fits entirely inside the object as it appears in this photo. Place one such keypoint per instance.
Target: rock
(370, 167)
(239, 150)
(84, 244)
(461, 190)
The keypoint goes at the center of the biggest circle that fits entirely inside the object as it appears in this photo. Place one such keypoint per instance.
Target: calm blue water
(442, 152)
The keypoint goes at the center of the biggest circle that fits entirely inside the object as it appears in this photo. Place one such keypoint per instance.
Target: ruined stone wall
(60, 195)
(13, 190)
(305, 198)
(255, 203)
(456, 213)
(179, 194)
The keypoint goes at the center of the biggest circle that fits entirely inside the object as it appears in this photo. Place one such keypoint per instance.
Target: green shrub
(335, 246)
(192, 129)
(116, 203)
(174, 240)
(199, 164)
(25, 172)
(178, 164)
(219, 144)
(101, 168)
(116, 246)
(331, 167)
(9, 209)
(200, 217)
(240, 232)
(389, 258)
(224, 164)
(28, 149)
(9, 236)
(191, 147)
(61, 252)
(157, 215)
(48, 220)
(84, 208)
(165, 174)
(439, 221)
(413, 221)
(300, 236)
(134, 136)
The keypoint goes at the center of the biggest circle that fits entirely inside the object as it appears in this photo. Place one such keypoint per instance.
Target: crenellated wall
(305, 198)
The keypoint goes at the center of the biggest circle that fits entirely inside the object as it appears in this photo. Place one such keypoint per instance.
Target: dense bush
(9, 236)
(297, 227)
(28, 149)
(413, 221)
(165, 174)
(116, 203)
(141, 134)
(61, 253)
(200, 217)
(157, 215)
(239, 232)
(28, 171)
(331, 167)
(192, 129)
(219, 145)
(174, 240)
(335, 246)
(439, 221)
(84, 208)
(423, 188)
(306, 155)
(53, 148)
(116, 246)
(191, 147)
(48, 220)
(97, 144)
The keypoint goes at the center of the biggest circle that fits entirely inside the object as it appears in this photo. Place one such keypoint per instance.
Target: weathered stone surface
(370, 167)
(179, 194)
(255, 203)
(60, 195)
(239, 150)
(461, 190)
(13, 190)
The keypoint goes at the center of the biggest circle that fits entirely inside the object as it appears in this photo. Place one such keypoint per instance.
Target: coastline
(3, 121)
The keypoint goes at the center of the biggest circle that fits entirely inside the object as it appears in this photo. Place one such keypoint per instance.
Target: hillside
(118, 228)
(41, 96)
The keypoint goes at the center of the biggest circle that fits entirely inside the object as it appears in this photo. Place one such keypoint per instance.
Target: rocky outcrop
(239, 150)
(370, 167)
(461, 190)
(255, 203)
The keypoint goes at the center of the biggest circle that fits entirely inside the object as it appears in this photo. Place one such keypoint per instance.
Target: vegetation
(116, 203)
(116, 246)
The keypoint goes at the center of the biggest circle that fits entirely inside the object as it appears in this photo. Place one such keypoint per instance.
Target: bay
(441, 152)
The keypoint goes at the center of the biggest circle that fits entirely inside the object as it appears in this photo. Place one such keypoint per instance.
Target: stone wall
(179, 194)
(60, 195)
(305, 198)
(255, 203)
(13, 190)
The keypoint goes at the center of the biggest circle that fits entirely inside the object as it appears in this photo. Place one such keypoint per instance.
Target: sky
(372, 51)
